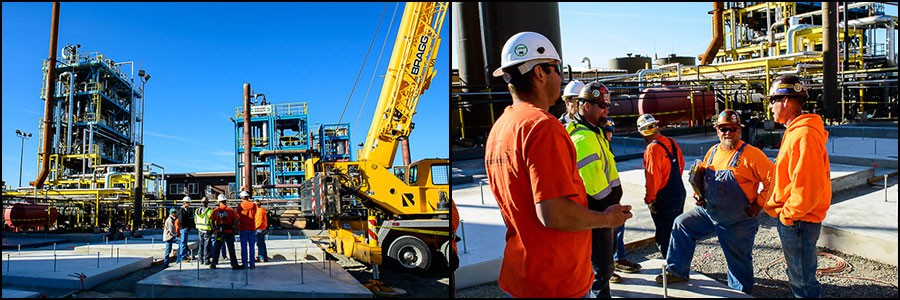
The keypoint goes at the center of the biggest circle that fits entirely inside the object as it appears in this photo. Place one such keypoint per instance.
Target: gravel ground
(863, 278)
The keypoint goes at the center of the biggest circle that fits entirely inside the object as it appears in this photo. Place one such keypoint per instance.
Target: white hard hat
(244, 194)
(186, 199)
(647, 125)
(222, 197)
(573, 88)
(526, 49)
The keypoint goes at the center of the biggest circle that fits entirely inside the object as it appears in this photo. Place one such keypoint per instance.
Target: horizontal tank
(673, 104)
(25, 215)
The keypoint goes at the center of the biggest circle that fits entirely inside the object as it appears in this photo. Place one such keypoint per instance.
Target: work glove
(752, 209)
(700, 201)
(259, 231)
(652, 207)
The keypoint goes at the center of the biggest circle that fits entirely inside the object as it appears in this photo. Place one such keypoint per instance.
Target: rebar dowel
(665, 282)
(20, 250)
(54, 263)
(481, 188)
(126, 242)
(110, 251)
(875, 147)
(289, 235)
(295, 255)
(152, 242)
(329, 270)
(179, 263)
(198, 270)
(117, 255)
(98, 259)
(301, 273)
(885, 187)
(462, 224)
(247, 275)
(54, 248)
(9, 261)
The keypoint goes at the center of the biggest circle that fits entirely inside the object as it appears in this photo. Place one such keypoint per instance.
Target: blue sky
(605, 30)
(199, 55)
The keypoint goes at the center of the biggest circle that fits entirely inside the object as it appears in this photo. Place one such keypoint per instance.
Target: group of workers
(217, 227)
(559, 192)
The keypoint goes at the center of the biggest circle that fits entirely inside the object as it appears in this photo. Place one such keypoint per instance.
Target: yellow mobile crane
(369, 204)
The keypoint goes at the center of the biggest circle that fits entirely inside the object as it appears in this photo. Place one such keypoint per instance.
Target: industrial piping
(48, 104)
(248, 182)
(718, 30)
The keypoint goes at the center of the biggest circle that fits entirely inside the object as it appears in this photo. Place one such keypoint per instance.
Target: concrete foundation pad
(643, 285)
(269, 280)
(14, 242)
(134, 247)
(864, 226)
(38, 270)
(10, 293)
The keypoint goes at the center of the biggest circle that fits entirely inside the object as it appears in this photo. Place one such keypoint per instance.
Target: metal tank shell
(672, 58)
(630, 64)
(673, 104)
(501, 20)
(22, 215)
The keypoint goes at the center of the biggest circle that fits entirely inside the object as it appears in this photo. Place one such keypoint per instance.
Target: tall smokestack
(248, 165)
(48, 101)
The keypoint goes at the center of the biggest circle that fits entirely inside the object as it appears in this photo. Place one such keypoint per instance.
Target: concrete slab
(270, 280)
(147, 246)
(11, 293)
(36, 269)
(865, 225)
(15, 242)
(643, 285)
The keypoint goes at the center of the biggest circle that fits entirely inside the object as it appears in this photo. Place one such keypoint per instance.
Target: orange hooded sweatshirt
(802, 181)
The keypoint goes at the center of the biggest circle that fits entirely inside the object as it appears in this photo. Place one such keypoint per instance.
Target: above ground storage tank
(25, 215)
(673, 104)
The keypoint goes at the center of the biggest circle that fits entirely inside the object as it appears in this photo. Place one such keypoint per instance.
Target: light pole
(24, 136)
(144, 76)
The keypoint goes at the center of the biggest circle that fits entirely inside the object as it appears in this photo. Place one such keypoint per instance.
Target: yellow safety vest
(596, 163)
(202, 219)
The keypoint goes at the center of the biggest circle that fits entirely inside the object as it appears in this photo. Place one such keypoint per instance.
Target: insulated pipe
(274, 152)
(248, 182)
(718, 30)
(71, 108)
(48, 104)
(772, 49)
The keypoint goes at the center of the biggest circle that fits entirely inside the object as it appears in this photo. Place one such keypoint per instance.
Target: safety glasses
(556, 66)
(728, 129)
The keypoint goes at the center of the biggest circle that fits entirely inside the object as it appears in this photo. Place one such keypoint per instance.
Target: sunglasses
(556, 66)
(602, 105)
(728, 129)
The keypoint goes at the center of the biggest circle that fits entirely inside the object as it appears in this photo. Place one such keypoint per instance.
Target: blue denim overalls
(669, 201)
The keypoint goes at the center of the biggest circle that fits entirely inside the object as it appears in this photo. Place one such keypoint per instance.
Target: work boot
(627, 266)
(670, 278)
(212, 266)
(615, 278)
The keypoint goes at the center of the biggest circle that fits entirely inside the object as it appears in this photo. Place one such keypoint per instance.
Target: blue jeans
(589, 295)
(248, 241)
(798, 242)
(620, 244)
(169, 251)
(184, 251)
(736, 241)
(261, 244)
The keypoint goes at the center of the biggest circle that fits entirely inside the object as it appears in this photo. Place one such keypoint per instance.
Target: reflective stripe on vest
(202, 219)
(597, 184)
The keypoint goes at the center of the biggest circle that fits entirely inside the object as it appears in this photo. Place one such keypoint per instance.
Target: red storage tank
(26, 215)
(673, 104)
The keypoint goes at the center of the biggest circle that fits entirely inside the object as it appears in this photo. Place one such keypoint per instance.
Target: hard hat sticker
(596, 93)
(798, 87)
(521, 50)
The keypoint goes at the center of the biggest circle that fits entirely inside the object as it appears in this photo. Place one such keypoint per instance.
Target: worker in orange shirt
(225, 222)
(531, 168)
(802, 184)
(728, 207)
(262, 229)
(664, 191)
(247, 227)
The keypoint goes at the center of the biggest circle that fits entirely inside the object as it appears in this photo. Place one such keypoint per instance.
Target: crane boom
(408, 75)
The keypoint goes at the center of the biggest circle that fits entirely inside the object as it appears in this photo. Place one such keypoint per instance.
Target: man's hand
(652, 207)
(752, 209)
(618, 214)
(699, 201)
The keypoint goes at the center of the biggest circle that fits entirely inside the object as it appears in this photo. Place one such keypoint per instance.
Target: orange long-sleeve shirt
(262, 218)
(753, 168)
(657, 166)
(802, 181)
